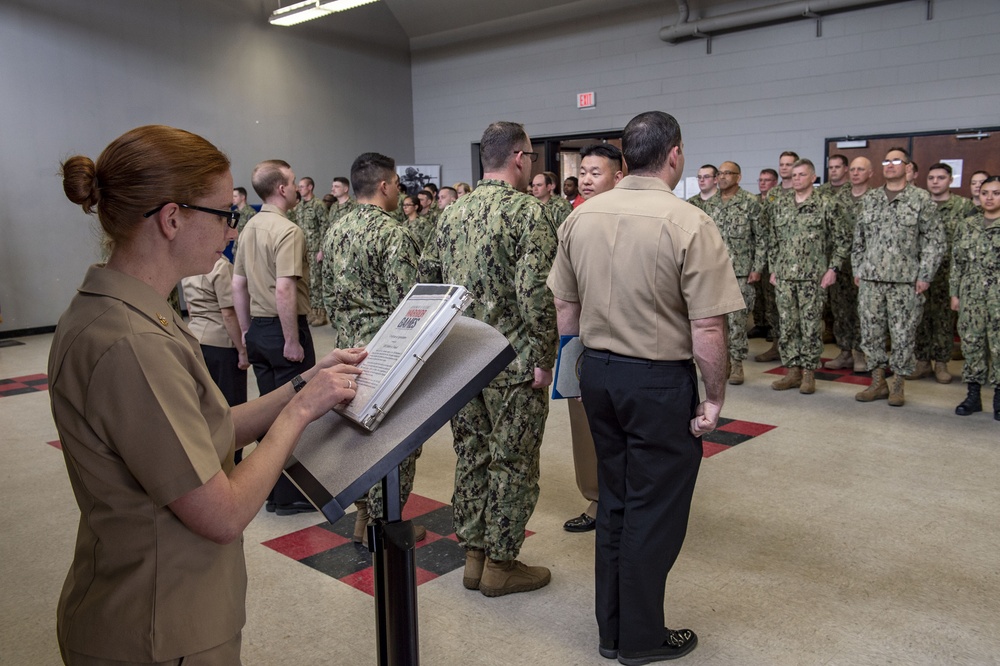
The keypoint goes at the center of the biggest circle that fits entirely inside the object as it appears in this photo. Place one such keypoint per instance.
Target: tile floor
(836, 533)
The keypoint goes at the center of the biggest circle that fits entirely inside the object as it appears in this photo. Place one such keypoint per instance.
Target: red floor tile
(305, 542)
(709, 449)
(747, 428)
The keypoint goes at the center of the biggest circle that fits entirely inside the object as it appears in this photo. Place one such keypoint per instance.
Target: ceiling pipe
(759, 16)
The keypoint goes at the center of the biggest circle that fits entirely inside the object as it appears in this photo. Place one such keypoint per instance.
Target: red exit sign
(585, 100)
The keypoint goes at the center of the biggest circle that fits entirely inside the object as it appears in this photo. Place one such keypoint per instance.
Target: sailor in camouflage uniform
(836, 176)
(808, 247)
(371, 264)
(425, 224)
(737, 215)
(898, 244)
(310, 215)
(936, 332)
(843, 292)
(783, 189)
(500, 243)
(543, 189)
(708, 187)
(975, 293)
(241, 206)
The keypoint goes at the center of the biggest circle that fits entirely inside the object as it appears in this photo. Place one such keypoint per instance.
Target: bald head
(860, 171)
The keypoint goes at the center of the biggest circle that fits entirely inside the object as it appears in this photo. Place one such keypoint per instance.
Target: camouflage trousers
(316, 283)
(407, 470)
(770, 304)
(844, 304)
(892, 308)
(800, 309)
(736, 322)
(936, 331)
(979, 328)
(497, 440)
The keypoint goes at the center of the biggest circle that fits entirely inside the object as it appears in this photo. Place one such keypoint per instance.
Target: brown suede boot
(475, 561)
(510, 576)
(843, 360)
(896, 398)
(923, 370)
(736, 376)
(770, 355)
(941, 374)
(877, 390)
(860, 363)
(791, 380)
(808, 382)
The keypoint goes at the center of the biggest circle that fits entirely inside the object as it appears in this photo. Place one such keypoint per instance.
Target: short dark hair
(267, 177)
(342, 181)
(241, 190)
(432, 187)
(647, 141)
(770, 172)
(838, 156)
(916, 167)
(715, 171)
(427, 193)
(449, 187)
(942, 166)
(368, 170)
(608, 151)
(416, 201)
(985, 173)
(312, 183)
(499, 143)
(789, 153)
(739, 169)
(576, 181)
(899, 149)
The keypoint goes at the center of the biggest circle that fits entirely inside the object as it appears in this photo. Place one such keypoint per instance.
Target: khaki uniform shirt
(902, 240)
(141, 423)
(272, 247)
(205, 296)
(643, 264)
(499, 244)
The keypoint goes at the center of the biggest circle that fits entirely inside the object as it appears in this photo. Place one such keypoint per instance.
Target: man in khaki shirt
(645, 280)
(271, 295)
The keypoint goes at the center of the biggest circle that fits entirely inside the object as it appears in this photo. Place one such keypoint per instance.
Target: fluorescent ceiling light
(297, 13)
(341, 5)
(312, 9)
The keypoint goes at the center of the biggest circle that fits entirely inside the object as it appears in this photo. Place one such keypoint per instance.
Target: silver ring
(348, 383)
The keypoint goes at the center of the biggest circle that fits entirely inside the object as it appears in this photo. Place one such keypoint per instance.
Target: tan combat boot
(736, 376)
(808, 382)
(896, 391)
(843, 360)
(475, 561)
(860, 363)
(510, 576)
(770, 355)
(361, 522)
(877, 390)
(941, 374)
(791, 380)
(923, 370)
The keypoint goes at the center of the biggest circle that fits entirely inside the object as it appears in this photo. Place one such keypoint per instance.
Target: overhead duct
(760, 16)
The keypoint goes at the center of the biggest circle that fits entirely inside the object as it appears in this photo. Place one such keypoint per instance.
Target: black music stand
(337, 461)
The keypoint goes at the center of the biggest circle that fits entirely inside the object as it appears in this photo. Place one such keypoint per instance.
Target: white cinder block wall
(74, 75)
(874, 71)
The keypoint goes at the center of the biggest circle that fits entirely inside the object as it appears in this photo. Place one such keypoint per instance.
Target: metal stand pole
(391, 543)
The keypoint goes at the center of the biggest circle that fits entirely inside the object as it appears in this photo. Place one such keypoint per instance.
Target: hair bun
(80, 182)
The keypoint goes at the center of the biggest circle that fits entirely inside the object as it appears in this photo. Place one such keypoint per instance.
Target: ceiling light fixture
(312, 9)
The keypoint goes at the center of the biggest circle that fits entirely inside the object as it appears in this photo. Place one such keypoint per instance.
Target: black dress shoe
(270, 506)
(293, 508)
(679, 642)
(582, 523)
(608, 649)
(757, 332)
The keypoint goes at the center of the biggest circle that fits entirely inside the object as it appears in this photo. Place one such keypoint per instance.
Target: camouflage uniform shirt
(901, 240)
(739, 223)
(704, 204)
(499, 244)
(808, 238)
(371, 263)
(559, 209)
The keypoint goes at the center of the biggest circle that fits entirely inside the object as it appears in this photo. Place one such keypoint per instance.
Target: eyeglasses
(232, 217)
(706, 177)
(532, 156)
(895, 162)
(729, 173)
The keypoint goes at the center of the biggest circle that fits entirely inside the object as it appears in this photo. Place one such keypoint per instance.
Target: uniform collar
(271, 208)
(135, 293)
(642, 183)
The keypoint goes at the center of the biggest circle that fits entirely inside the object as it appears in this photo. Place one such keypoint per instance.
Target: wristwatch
(298, 383)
